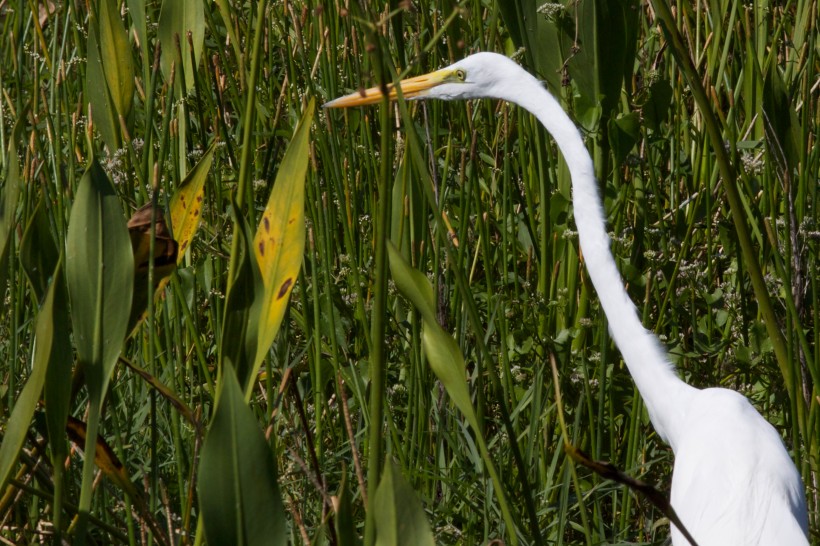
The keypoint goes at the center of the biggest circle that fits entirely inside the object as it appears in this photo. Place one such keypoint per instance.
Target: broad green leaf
(38, 251)
(103, 116)
(118, 65)
(279, 244)
(19, 421)
(186, 203)
(345, 521)
(238, 343)
(100, 274)
(177, 19)
(400, 518)
(624, 133)
(238, 490)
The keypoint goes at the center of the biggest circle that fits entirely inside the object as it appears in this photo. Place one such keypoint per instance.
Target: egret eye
(461, 75)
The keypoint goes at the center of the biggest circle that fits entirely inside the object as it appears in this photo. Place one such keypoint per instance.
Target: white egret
(733, 482)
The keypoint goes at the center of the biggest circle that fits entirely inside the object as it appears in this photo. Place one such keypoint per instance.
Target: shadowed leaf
(238, 347)
(19, 421)
(38, 252)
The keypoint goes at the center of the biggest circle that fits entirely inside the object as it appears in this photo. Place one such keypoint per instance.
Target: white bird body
(733, 483)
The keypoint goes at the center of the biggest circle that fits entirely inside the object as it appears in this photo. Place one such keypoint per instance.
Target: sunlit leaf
(117, 63)
(238, 490)
(103, 114)
(400, 518)
(279, 244)
(176, 19)
(186, 203)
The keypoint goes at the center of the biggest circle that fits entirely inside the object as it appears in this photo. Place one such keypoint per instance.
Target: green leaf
(186, 203)
(118, 65)
(243, 303)
(446, 361)
(400, 518)
(177, 19)
(9, 195)
(238, 490)
(20, 419)
(103, 116)
(38, 251)
(441, 349)
(279, 244)
(57, 392)
(100, 274)
(624, 133)
(781, 126)
(345, 521)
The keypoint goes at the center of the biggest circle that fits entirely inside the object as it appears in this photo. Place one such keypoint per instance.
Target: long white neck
(665, 394)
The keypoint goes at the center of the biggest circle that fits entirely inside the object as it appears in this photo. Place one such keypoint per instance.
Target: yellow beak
(410, 88)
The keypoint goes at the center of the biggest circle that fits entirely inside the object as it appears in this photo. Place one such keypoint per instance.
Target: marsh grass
(501, 252)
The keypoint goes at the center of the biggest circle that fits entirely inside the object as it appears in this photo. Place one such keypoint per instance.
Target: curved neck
(664, 393)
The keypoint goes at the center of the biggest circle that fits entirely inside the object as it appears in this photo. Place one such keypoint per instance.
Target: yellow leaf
(186, 203)
(279, 243)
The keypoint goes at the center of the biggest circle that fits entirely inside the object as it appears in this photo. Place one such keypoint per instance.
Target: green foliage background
(346, 380)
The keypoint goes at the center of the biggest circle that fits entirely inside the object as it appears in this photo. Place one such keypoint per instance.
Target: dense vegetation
(706, 151)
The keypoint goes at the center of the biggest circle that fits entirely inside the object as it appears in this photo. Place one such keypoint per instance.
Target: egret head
(482, 75)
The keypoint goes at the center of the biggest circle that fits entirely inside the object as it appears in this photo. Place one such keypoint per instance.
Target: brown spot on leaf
(262, 248)
(284, 289)
(291, 221)
(267, 224)
(199, 198)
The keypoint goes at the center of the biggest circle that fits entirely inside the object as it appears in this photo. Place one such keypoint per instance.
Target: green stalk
(379, 313)
(247, 135)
